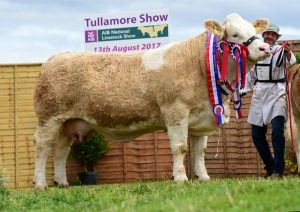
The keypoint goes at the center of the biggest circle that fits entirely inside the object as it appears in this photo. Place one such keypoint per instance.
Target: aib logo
(90, 36)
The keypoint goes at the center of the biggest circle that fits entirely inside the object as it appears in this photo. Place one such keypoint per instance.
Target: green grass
(216, 195)
(3, 190)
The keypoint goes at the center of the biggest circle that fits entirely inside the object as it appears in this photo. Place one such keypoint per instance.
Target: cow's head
(237, 30)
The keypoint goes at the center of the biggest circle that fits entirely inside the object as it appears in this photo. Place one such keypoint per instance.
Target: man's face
(270, 37)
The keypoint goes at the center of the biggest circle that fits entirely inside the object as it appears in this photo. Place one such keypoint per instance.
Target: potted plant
(88, 153)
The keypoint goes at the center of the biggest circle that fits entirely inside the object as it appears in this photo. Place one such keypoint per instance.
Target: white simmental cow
(126, 95)
(295, 103)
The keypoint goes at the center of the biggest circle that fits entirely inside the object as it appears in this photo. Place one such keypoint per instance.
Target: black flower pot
(88, 178)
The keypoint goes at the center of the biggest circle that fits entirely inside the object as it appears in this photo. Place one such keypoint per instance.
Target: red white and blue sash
(217, 77)
(213, 76)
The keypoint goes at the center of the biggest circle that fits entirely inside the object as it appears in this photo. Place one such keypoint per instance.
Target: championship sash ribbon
(213, 76)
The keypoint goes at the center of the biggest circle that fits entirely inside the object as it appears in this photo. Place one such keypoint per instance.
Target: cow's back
(111, 88)
(122, 89)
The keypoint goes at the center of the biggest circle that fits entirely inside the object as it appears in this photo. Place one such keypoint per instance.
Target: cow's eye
(235, 35)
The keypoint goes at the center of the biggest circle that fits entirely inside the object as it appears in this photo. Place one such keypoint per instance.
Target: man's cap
(273, 28)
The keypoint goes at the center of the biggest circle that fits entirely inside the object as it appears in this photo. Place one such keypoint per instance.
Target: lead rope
(288, 94)
(289, 105)
(216, 155)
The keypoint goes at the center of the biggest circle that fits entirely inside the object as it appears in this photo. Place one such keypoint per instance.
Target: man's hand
(288, 47)
(243, 92)
(287, 50)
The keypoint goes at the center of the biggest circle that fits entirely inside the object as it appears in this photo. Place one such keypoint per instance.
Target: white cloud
(40, 32)
(290, 33)
(37, 43)
(182, 33)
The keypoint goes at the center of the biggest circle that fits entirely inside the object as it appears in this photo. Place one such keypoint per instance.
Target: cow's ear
(213, 26)
(261, 24)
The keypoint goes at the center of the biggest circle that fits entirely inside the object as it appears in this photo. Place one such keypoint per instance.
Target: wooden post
(191, 159)
(125, 162)
(225, 150)
(155, 155)
(15, 131)
(189, 156)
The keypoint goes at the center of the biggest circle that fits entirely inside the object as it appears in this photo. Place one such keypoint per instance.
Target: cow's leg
(177, 124)
(178, 143)
(296, 132)
(297, 150)
(44, 137)
(199, 145)
(61, 150)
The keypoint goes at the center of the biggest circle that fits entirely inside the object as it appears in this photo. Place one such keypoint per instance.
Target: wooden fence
(147, 157)
(17, 123)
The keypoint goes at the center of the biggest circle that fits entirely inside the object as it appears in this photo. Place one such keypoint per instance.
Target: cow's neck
(195, 51)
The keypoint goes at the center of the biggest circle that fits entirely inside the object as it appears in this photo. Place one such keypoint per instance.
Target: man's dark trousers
(276, 164)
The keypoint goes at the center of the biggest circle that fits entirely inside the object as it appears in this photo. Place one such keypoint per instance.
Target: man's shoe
(276, 176)
(267, 175)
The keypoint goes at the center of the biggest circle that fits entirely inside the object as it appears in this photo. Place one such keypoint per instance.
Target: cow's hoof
(203, 178)
(180, 179)
(63, 185)
(41, 187)
(61, 182)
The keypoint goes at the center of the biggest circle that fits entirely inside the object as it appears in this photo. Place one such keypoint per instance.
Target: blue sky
(33, 30)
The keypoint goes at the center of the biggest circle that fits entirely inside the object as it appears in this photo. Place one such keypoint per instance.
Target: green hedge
(297, 55)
